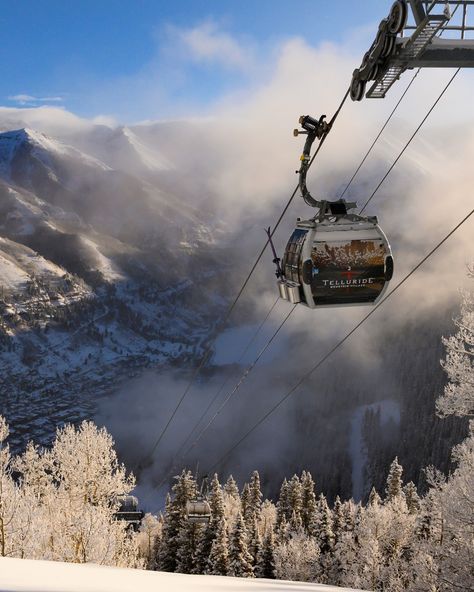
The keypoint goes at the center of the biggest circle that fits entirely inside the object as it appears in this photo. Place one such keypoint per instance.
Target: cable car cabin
(198, 511)
(336, 261)
(128, 511)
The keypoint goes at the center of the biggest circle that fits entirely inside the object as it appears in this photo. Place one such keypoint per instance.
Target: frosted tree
(296, 558)
(246, 502)
(9, 496)
(148, 539)
(458, 398)
(267, 517)
(254, 542)
(412, 498)
(283, 506)
(175, 516)
(255, 498)
(374, 497)
(209, 534)
(218, 563)
(453, 549)
(84, 462)
(231, 488)
(308, 502)
(325, 538)
(265, 566)
(187, 547)
(394, 486)
(240, 559)
(324, 527)
(295, 500)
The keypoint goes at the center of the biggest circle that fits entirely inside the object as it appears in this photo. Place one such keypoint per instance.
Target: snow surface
(23, 575)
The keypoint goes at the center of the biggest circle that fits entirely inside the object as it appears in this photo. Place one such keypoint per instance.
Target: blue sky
(145, 59)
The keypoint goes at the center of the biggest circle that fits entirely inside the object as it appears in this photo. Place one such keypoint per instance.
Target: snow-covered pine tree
(324, 535)
(308, 502)
(189, 536)
(412, 498)
(208, 535)
(218, 562)
(374, 497)
(324, 527)
(265, 567)
(254, 542)
(283, 504)
(252, 508)
(394, 486)
(295, 498)
(231, 488)
(337, 517)
(175, 517)
(240, 559)
(246, 503)
(458, 398)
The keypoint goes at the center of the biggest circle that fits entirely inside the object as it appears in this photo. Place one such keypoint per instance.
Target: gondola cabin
(198, 511)
(336, 261)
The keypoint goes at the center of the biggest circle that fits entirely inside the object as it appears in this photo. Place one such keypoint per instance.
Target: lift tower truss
(410, 37)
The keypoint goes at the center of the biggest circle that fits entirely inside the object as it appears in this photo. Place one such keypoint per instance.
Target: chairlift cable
(379, 134)
(243, 377)
(410, 139)
(224, 383)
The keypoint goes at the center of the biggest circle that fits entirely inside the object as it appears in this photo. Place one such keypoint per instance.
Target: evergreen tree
(374, 498)
(394, 481)
(187, 543)
(240, 560)
(254, 505)
(231, 488)
(458, 398)
(324, 526)
(246, 503)
(338, 518)
(412, 498)
(265, 567)
(255, 542)
(283, 505)
(208, 535)
(308, 503)
(295, 496)
(218, 562)
(174, 520)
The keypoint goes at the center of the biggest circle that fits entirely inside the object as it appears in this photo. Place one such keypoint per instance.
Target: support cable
(224, 384)
(242, 379)
(410, 139)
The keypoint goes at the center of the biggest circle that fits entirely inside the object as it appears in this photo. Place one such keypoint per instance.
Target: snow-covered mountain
(93, 264)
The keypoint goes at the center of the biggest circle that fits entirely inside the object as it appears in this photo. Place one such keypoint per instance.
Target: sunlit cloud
(207, 43)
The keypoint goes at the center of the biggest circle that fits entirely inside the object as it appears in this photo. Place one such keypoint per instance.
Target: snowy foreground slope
(47, 576)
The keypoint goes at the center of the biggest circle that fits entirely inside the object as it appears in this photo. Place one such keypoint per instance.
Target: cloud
(23, 99)
(206, 43)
